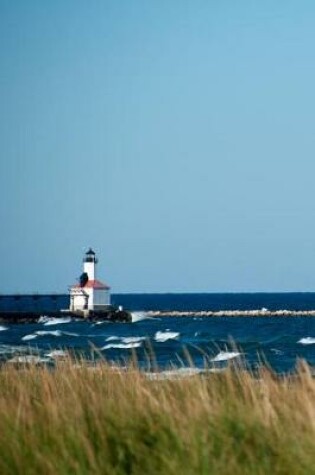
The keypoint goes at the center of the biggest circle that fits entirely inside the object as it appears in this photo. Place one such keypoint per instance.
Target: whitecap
(56, 354)
(174, 373)
(307, 341)
(122, 346)
(57, 321)
(8, 349)
(53, 333)
(28, 359)
(2, 328)
(113, 337)
(181, 373)
(29, 337)
(138, 316)
(133, 339)
(126, 339)
(164, 336)
(43, 319)
(73, 334)
(225, 355)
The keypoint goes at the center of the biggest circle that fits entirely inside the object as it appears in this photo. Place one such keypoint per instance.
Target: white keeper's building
(90, 293)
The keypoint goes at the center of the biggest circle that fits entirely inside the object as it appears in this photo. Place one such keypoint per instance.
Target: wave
(29, 337)
(225, 355)
(11, 349)
(174, 373)
(126, 339)
(55, 321)
(56, 333)
(52, 332)
(32, 336)
(139, 316)
(123, 342)
(43, 319)
(122, 346)
(307, 341)
(161, 336)
(28, 359)
(133, 339)
(181, 373)
(2, 328)
(276, 351)
(56, 354)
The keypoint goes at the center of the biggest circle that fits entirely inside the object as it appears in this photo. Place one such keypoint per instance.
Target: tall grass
(82, 420)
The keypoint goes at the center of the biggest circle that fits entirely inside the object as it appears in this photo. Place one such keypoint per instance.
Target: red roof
(93, 284)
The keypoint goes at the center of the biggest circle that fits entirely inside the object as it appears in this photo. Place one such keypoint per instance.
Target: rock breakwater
(233, 313)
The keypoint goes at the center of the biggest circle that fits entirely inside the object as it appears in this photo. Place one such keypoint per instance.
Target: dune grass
(82, 420)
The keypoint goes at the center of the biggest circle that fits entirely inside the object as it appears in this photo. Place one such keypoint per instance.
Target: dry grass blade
(98, 419)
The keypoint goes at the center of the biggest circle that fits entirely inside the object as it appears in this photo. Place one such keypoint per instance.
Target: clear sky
(176, 138)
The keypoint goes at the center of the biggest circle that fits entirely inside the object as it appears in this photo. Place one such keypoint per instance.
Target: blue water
(197, 302)
(279, 341)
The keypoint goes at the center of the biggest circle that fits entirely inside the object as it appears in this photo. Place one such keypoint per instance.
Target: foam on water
(180, 373)
(122, 346)
(279, 340)
(133, 339)
(161, 336)
(307, 341)
(43, 319)
(52, 332)
(225, 355)
(2, 328)
(29, 337)
(126, 339)
(139, 316)
(11, 349)
(73, 334)
(57, 333)
(28, 359)
(55, 321)
(56, 354)
(174, 373)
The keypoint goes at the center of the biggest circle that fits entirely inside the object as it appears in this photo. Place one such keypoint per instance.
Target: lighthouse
(90, 293)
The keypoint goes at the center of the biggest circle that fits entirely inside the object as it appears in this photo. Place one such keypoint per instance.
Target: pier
(28, 308)
(232, 313)
(88, 299)
(23, 316)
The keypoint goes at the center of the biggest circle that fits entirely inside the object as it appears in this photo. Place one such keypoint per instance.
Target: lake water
(208, 341)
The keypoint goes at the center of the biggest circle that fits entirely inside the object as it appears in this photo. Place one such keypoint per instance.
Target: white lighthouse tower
(90, 293)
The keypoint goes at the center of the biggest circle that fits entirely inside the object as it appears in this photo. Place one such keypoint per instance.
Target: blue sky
(175, 137)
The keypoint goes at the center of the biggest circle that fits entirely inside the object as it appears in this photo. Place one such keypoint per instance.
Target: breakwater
(232, 313)
(174, 305)
(111, 315)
